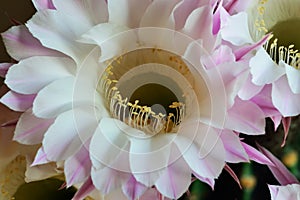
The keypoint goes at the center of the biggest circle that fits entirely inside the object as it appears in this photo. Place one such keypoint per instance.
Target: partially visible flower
(288, 192)
(277, 61)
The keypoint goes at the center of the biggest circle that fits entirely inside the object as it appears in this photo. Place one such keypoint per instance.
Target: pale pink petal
(133, 189)
(40, 158)
(183, 9)
(256, 156)
(57, 96)
(217, 19)
(276, 120)
(56, 30)
(281, 173)
(30, 129)
(21, 44)
(243, 51)
(234, 150)
(107, 142)
(293, 77)
(84, 190)
(201, 17)
(286, 122)
(4, 68)
(249, 89)
(264, 100)
(89, 11)
(246, 117)
(236, 29)
(78, 167)
(127, 13)
(164, 8)
(107, 179)
(263, 69)
(17, 102)
(72, 129)
(284, 99)
(43, 4)
(29, 76)
(233, 6)
(174, 180)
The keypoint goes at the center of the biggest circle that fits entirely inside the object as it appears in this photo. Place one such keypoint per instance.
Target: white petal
(127, 13)
(88, 11)
(32, 74)
(150, 154)
(70, 130)
(54, 99)
(151, 17)
(107, 143)
(58, 31)
(30, 129)
(175, 180)
(43, 4)
(236, 29)
(263, 69)
(284, 99)
(293, 76)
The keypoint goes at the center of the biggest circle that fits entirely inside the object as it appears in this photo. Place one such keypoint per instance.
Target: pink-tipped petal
(133, 189)
(257, 156)
(4, 68)
(276, 120)
(40, 158)
(30, 129)
(43, 4)
(249, 89)
(44, 69)
(286, 122)
(84, 190)
(234, 150)
(174, 180)
(284, 99)
(246, 117)
(107, 179)
(78, 167)
(281, 173)
(233, 175)
(209, 181)
(240, 53)
(18, 102)
(20, 44)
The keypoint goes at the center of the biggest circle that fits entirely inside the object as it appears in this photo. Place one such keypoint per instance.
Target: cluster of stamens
(138, 116)
(277, 52)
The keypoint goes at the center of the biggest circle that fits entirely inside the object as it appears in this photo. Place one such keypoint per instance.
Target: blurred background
(254, 177)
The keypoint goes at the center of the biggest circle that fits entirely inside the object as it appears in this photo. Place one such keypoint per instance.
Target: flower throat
(152, 106)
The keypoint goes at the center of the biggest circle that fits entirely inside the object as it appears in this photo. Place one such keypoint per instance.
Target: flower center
(285, 42)
(145, 89)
